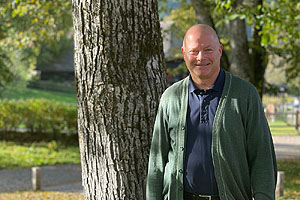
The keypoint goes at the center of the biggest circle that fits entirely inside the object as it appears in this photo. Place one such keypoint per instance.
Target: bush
(9, 115)
(38, 116)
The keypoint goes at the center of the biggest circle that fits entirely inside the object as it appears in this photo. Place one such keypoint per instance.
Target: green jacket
(242, 147)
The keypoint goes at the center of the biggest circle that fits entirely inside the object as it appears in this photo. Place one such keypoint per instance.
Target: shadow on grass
(26, 137)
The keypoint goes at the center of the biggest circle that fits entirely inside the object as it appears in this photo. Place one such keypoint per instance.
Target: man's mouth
(203, 64)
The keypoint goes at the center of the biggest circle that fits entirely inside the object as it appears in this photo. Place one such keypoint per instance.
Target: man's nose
(200, 55)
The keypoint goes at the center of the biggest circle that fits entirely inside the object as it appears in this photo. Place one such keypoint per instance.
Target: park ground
(52, 154)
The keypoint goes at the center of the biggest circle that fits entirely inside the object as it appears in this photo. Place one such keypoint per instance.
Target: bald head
(202, 52)
(200, 29)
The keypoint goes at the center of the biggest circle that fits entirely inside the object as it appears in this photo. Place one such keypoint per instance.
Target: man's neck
(205, 83)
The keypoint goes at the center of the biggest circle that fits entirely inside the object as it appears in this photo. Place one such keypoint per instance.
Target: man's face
(202, 52)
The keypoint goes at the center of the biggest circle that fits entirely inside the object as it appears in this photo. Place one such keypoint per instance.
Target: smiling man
(202, 53)
(211, 139)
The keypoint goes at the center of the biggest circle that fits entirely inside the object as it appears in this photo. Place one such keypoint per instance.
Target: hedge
(38, 116)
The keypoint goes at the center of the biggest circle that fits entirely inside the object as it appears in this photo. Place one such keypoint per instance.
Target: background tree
(120, 76)
(203, 16)
(26, 26)
(5, 73)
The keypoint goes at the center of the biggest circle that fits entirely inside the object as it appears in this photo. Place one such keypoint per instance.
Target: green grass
(291, 170)
(16, 155)
(27, 93)
(280, 128)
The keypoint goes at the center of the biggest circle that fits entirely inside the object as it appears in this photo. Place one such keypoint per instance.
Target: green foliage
(26, 25)
(38, 116)
(277, 23)
(50, 52)
(5, 73)
(281, 28)
(183, 18)
(179, 70)
(9, 115)
(14, 155)
(271, 99)
(34, 21)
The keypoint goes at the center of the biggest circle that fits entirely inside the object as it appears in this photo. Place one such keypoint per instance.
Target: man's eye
(194, 52)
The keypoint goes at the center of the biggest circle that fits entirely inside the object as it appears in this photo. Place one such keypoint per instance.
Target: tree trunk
(202, 12)
(120, 75)
(240, 62)
(203, 16)
(258, 55)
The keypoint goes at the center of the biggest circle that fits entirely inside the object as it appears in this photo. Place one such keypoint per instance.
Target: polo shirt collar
(217, 86)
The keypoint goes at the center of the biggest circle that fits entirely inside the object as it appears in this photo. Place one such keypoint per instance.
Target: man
(211, 139)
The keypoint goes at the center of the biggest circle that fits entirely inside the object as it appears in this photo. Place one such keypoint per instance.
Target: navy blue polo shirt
(199, 170)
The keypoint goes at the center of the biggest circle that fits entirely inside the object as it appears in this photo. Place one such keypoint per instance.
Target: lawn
(291, 170)
(280, 128)
(16, 155)
(27, 93)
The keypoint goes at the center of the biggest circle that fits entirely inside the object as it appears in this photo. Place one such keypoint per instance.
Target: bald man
(211, 140)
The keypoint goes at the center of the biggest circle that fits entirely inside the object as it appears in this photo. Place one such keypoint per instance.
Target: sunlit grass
(27, 93)
(14, 155)
(291, 170)
(281, 128)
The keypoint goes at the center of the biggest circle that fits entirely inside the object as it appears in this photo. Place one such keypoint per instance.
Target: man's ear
(182, 50)
(221, 49)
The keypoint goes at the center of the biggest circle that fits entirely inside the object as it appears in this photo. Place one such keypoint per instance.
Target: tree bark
(240, 61)
(259, 55)
(203, 16)
(202, 12)
(120, 75)
(248, 59)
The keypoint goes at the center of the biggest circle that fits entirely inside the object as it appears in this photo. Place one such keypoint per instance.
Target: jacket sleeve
(158, 156)
(261, 155)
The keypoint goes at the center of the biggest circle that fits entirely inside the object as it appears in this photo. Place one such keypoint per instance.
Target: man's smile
(202, 64)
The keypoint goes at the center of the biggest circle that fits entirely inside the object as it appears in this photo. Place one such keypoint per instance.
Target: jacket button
(180, 171)
(182, 128)
(222, 194)
(182, 148)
